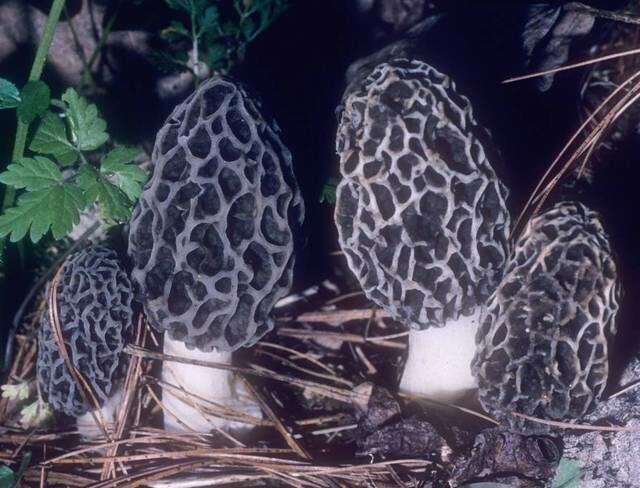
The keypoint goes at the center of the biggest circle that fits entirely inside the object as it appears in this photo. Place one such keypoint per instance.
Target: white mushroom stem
(86, 424)
(194, 397)
(439, 361)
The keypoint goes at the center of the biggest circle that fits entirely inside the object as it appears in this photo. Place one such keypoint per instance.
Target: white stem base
(439, 362)
(86, 424)
(191, 394)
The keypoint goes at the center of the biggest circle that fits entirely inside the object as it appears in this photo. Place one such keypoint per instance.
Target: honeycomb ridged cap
(94, 308)
(542, 346)
(420, 212)
(212, 236)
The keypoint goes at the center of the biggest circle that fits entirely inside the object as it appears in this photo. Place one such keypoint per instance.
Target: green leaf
(168, 63)
(198, 6)
(328, 193)
(56, 208)
(119, 167)
(88, 130)
(175, 31)
(215, 54)
(24, 464)
(184, 5)
(32, 173)
(229, 29)
(9, 94)
(7, 478)
(36, 97)
(210, 19)
(568, 474)
(113, 202)
(248, 28)
(51, 138)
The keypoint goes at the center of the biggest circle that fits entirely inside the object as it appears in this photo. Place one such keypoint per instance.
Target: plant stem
(195, 35)
(36, 71)
(86, 72)
(99, 46)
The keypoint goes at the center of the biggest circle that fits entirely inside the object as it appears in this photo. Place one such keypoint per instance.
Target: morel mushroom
(212, 243)
(543, 344)
(421, 216)
(94, 297)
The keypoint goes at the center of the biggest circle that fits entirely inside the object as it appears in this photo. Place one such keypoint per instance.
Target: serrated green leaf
(36, 97)
(119, 167)
(9, 94)
(113, 202)
(88, 130)
(568, 474)
(32, 173)
(51, 138)
(56, 208)
(118, 156)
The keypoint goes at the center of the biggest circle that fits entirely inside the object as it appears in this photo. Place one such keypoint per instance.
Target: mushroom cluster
(212, 241)
(421, 215)
(542, 347)
(94, 309)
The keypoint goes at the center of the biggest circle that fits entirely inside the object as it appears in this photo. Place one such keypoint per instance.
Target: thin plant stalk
(34, 74)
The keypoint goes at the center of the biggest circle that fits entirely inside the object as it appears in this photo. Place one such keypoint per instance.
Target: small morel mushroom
(94, 297)
(212, 242)
(421, 216)
(543, 344)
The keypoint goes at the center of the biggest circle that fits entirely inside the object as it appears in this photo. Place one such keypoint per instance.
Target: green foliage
(328, 193)
(98, 188)
(88, 130)
(35, 101)
(119, 167)
(215, 35)
(9, 94)
(52, 198)
(51, 138)
(568, 474)
(9, 479)
(56, 208)
(37, 173)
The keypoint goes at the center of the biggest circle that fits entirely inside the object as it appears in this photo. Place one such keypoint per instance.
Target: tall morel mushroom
(542, 348)
(212, 242)
(94, 297)
(421, 215)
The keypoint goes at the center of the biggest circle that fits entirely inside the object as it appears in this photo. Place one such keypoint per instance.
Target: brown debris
(502, 456)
